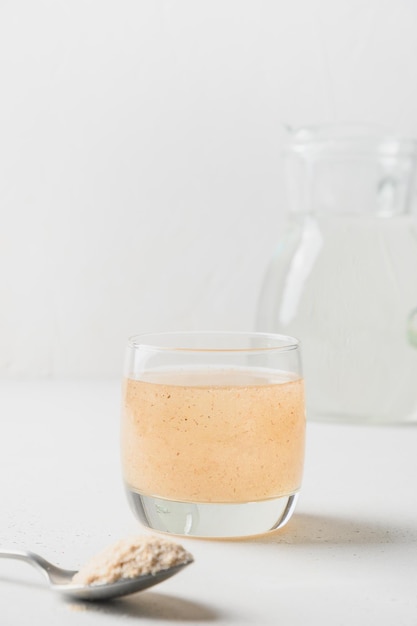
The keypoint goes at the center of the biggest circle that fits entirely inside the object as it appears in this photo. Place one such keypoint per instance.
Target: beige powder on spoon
(129, 558)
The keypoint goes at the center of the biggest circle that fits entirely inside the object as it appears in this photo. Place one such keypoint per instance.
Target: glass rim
(143, 341)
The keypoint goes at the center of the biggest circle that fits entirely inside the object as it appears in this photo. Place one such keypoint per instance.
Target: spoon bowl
(60, 580)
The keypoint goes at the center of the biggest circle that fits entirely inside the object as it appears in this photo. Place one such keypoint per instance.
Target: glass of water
(213, 428)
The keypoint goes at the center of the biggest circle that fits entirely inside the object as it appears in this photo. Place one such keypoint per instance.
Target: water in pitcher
(355, 321)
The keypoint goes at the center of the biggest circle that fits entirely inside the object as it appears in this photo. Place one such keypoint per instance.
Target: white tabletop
(348, 556)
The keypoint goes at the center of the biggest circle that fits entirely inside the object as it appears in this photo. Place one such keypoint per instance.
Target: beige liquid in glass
(221, 436)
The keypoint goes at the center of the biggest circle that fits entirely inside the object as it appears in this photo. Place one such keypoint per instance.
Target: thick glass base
(212, 519)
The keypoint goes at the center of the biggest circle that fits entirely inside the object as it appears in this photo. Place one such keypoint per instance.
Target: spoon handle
(36, 560)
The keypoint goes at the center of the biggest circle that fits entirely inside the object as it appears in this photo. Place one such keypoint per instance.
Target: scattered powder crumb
(129, 558)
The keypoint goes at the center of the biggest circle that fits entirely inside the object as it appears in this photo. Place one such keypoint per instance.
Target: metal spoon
(60, 580)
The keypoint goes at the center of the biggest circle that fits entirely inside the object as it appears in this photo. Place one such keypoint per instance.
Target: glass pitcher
(344, 276)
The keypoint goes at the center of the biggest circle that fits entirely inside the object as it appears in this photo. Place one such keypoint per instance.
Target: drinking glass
(213, 428)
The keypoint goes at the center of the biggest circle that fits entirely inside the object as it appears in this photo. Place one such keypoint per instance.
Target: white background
(140, 157)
